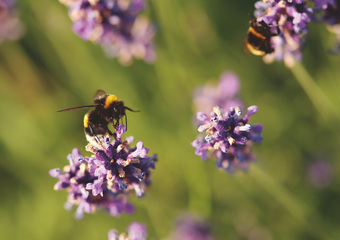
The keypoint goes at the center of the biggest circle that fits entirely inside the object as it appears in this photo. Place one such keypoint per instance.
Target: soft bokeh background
(51, 68)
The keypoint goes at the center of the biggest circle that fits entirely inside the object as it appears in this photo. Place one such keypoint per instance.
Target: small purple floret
(136, 231)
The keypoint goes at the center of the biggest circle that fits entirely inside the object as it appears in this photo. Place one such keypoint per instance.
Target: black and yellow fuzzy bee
(258, 39)
(108, 110)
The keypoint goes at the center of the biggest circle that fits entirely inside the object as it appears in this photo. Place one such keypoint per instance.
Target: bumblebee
(108, 110)
(258, 39)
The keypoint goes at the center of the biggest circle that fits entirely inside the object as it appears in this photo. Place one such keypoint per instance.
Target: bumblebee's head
(118, 111)
(110, 99)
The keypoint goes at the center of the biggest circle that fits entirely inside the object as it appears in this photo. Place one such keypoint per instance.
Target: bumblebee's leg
(95, 136)
(114, 135)
(125, 122)
(278, 31)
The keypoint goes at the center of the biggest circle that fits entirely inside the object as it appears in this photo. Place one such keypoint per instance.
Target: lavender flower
(328, 11)
(228, 138)
(116, 26)
(288, 20)
(10, 26)
(324, 4)
(74, 178)
(223, 95)
(119, 167)
(190, 228)
(104, 179)
(320, 174)
(136, 231)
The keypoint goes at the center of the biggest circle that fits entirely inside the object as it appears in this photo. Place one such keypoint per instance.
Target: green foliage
(51, 68)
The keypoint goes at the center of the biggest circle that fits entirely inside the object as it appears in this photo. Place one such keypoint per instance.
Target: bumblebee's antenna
(75, 108)
(131, 110)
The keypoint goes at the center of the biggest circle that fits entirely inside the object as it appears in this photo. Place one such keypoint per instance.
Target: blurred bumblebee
(108, 110)
(258, 39)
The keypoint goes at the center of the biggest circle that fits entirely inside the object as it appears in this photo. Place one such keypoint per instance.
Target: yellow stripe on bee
(254, 51)
(259, 35)
(109, 100)
(86, 120)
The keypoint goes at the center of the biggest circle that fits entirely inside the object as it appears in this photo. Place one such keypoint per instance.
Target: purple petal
(137, 231)
(229, 85)
(113, 234)
(202, 117)
(54, 172)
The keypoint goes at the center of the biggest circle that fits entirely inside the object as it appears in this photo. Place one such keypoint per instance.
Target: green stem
(280, 194)
(315, 93)
(301, 212)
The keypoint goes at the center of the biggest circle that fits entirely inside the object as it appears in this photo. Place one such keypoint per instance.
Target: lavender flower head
(320, 174)
(136, 231)
(116, 25)
(228, 138)
(288, 20)
(104, 179)
(10, 26)
(328, 11)
(189, 228)
(223, 95)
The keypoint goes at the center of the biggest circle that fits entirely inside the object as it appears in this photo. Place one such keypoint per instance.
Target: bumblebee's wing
(99, 94)
(75, 108)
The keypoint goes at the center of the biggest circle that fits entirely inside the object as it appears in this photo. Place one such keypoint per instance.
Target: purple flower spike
(116, 26)
(10, 26)
(323, 4)
(288, 24)
(104, 179)
(228, 138)
(328, 11)
(136, 231)
(222, 95)
(123, 168)
(320, 173)
(86, 190)
(189, 228)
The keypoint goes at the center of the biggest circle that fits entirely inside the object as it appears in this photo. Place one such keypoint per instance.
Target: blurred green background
(50, 68)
